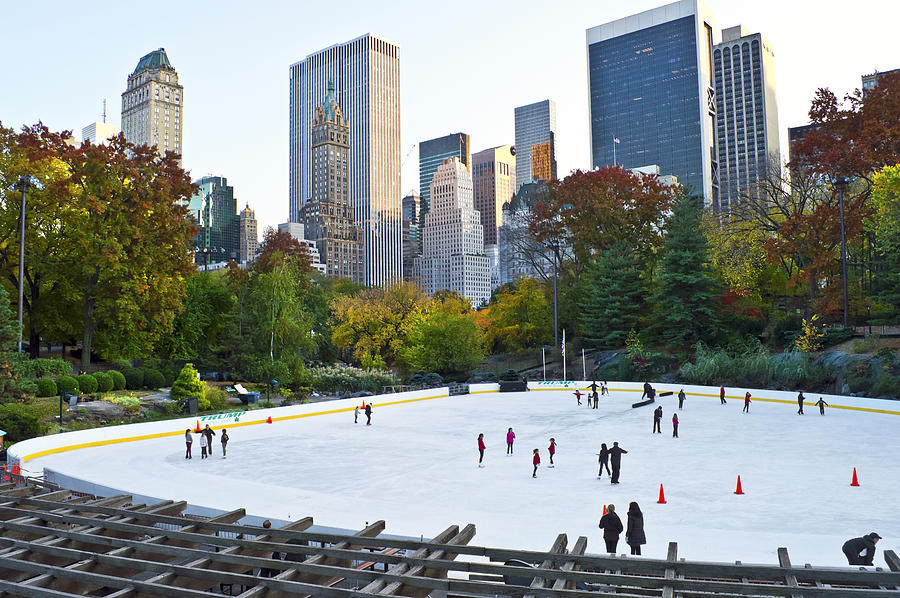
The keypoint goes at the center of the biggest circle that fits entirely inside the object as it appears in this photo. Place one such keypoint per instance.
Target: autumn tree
(278, 245)
(443, 337)
(519, 318)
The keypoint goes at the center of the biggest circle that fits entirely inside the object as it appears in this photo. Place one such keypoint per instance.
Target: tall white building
(152, 104)
(453, 255)
(249, 238)
(99, 132)
(366, 76)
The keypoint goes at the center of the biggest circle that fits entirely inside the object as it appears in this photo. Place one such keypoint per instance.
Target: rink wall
(33, 448)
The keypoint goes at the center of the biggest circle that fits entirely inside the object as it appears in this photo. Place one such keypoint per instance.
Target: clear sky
(464, 67)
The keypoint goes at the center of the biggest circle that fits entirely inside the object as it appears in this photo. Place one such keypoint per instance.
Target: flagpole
(615, 163)
(583, 370)
(564, 354)
(544, 364)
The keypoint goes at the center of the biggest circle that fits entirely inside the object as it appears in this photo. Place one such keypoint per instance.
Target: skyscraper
(366, 76)
(249, 237)
(432, 154)
(494, 182)
(328, 218)
(214, 210)
(651, 88)
(535, 126)
(746, 113)
(452, 240)
(152, 104)
(411, 241)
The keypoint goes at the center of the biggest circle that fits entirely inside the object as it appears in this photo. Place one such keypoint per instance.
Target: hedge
(20, 421)
(104, 381)
(153, 379)
(87, 384)
(66, 384)
(46, 387)
(118, 379)
(134, 378)
(39, 368)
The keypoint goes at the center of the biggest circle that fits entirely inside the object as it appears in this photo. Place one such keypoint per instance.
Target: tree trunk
(88, 315)
(34, 338)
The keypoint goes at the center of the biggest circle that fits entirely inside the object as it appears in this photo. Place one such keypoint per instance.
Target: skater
(603, 389)
(596, 399)
(861, 551)
(634, 533)
(209, 433)
(800, 398)
(821, 403)
(747, 402)
(603, 460)
(647, 390)
(722, 395)
(593, 387)
(615, 457)
(368, 414)
(674, 425)
(552, 450)
(204, 444)
(510, 438)
(536, 460)
(356, 414)
(681, 398)
(188, 440)
(224, 441)
(612, 527)
(481, 448)
(657, 419)
(578, 395)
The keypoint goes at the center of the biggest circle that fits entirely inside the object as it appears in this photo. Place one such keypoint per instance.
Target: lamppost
(842, 182)
(24, 182)
(869, 317)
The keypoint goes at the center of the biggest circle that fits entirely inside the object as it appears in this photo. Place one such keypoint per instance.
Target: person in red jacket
(674, 425)
(510, 438)
(578, 395)
(722, 395)
(536, 461)
(481, 448)
(747, 402)
(552, 450)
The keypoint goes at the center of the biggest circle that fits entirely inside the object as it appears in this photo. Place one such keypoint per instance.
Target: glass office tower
(535, 138)
(432, 154)
(651, 88)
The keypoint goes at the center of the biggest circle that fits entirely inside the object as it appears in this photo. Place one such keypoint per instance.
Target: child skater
(203, 444)
(481, 448)
(552, 451)
(604, 460)
(536, 460)
(578, 395)
(510, 438)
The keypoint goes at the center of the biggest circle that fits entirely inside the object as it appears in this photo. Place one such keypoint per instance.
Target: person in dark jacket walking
(722, 395)
(603, 460)
(681, 398)
(481, 448)
(674, 425)
(209, 433)
(536, 460)
(368, 414)
(821, 404)
(657, 419)
(612, 527)
(800, 398)
(634, 533)
(615, 458)
(861, 551)
(188, 440)
(225, 440)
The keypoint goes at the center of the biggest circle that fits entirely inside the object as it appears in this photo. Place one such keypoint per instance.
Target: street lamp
(841, 182)
(24, 182)
(869, 317)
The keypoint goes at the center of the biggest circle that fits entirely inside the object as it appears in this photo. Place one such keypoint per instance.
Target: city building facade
(453, 255)
(296, 231)
(870, 82)
(366, 76)
(328, 218)
(99, 132)
(412, 246)
(214, 210)
(519, 254)
(652, 95)
(432, 154)
(746, 113)
(535, 126)
(249, 235)
(153, 105)
(494, 182)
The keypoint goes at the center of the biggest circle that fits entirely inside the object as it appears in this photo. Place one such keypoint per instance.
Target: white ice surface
(416, 468)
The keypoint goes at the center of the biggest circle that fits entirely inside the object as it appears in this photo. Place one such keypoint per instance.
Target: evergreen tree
(614, 295)
(686, 294)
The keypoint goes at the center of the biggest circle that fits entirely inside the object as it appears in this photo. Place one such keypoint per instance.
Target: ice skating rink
(416, 468)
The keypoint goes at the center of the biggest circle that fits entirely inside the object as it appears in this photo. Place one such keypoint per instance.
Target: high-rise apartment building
(746, 113)
(366, 76)
(410, 235)
(214, 209)
(494, 182)
(249, 236)
(152, 104)
(652, 95)
(99, 132)
(535, 126)
(432, 154)
(328, 218)
(453, 255)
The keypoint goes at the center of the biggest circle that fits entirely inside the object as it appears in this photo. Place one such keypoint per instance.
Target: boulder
(102, 409)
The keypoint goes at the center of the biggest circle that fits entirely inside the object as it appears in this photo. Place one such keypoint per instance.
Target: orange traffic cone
(269, 420)
(604, 509)
(739, 490)
(662, 496)
(364, 404)
(855, 481)
(197, 429)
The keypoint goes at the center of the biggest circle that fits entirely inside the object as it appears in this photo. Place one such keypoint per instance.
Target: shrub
(20, 421)
(187, 385)
(121, 364)
(104, 381)
(886, 385)
(131, 404)
(118, 379)
(134, 378)
(66, 384)
(483, 377)
(836, 334)
(865, 345)
(333, 378)
(153, 379)
(40, 368)
(215, 397)
(46, 387)
(87, 383)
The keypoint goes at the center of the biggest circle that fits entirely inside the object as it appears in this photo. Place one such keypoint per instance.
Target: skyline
(236, 94)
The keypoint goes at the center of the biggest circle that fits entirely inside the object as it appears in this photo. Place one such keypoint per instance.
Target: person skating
(188, 440)
(596, 399)
(356, 414)
(612, 527)
(578, 395)
(615, 458)
(209, 433)
(800, 398)
(604, 390)
(747, 402)
(861, 551)
(657, 419)
(674, 425)
(224, 440)
(481, 448)
(368, 414)
(821, 404)
(681, 398)
(536, 460)
(510, 438)
(722, 395)
(603, 460)
(552, 450)
(593, 386)
(204, 444)
(634, 533)
(647, 389)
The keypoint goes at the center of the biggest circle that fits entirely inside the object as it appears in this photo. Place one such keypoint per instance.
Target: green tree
(11, 387)
(686, 294)
(199, 329)
(442, 338)
(614, 296)
(885, 226)
(187, 385)
(519, 318)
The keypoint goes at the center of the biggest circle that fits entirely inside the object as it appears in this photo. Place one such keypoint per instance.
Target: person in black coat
(800, 399)
(368, 414)
(657, 419)
(604, 460)
(680, 398)
(209, 433)
(647, 390)
(615, 459)
(634, 533)
(861, 551)
(612, 527)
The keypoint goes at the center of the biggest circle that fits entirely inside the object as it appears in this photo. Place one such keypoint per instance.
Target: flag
(564, 344)
(616, 140)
